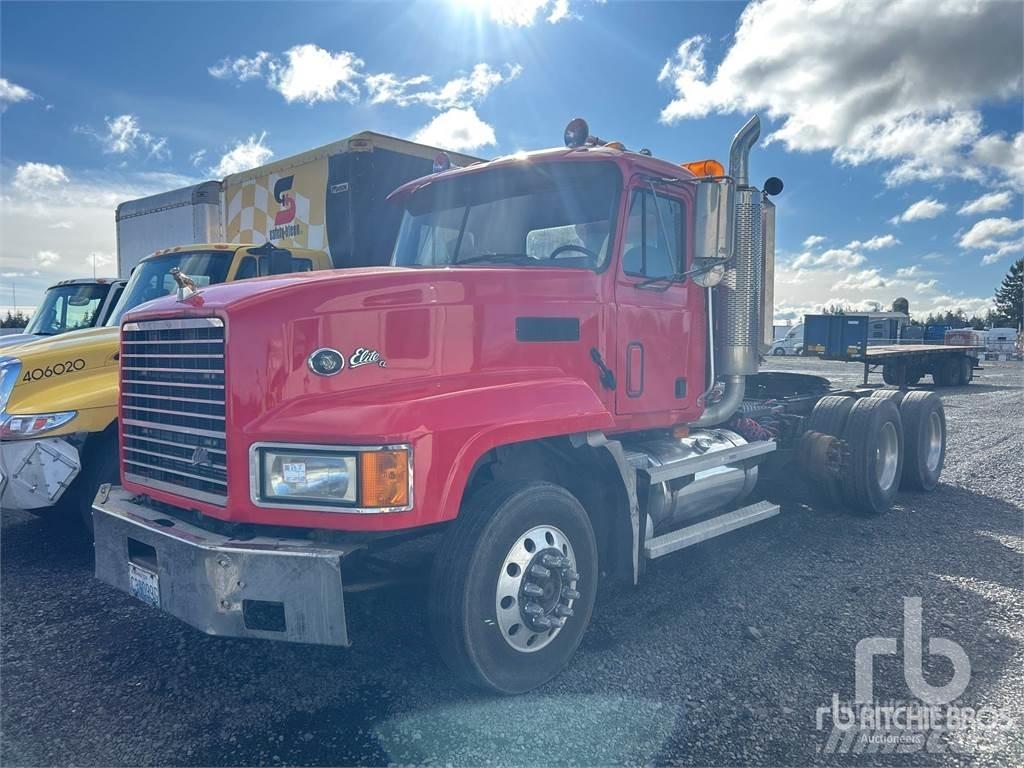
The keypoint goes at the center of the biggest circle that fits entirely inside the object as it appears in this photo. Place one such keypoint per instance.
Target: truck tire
(896, 395)
(829, 417)
(924, 434)
(945, 372)
(874, 434)
(890, 374)
(513, 546)
(99, 465)
(965, 371)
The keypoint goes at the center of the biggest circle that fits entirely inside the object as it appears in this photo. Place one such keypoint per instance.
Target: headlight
(324, 478)
(15, 426)
(10, 367)
(307, 477)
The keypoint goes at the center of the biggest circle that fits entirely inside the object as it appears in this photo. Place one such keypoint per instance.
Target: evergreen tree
(1010, 295)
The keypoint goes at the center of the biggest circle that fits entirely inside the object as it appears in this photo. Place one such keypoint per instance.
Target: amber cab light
(703, 168)
(384, 479)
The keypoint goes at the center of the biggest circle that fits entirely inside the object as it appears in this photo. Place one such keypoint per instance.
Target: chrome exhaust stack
(741, 297)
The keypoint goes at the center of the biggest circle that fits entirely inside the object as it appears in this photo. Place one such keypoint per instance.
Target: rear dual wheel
(513, 586)
(924, 427)
(829, 417)
(874, 434)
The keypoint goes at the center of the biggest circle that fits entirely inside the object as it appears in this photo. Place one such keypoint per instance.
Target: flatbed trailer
(844, 337)
(907, 363)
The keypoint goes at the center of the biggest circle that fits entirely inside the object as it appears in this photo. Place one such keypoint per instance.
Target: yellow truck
(58, 396)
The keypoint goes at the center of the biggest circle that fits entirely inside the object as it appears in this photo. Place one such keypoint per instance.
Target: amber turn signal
(384, 479)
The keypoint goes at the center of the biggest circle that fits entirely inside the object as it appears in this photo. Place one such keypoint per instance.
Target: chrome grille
(172, 407)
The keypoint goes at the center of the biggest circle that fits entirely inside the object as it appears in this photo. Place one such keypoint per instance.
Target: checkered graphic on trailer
(251, 209)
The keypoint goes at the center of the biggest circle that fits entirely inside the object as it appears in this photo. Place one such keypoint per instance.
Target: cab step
(708, 529)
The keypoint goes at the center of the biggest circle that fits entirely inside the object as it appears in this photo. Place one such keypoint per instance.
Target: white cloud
(998, 234)
(911, 271)
(47, 258)
(458, 130)
(833, 257)
(12, 93)
(244, 68)
(124, 135)
(32, 177)
(929, 208)
(990, 203)
(998, 152)
(244, 155)
(812, 240)
(461, 91)
(1002, 251)
(312, 74)
(43, 208)
(875, 243)
(988, 233)
(869, 80)
(197, 158)
(803, 291)
(865, 280)
(100, 260)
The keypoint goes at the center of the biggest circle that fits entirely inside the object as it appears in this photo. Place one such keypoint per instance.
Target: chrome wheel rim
(887, 456)
(934, 442)
(536, 588)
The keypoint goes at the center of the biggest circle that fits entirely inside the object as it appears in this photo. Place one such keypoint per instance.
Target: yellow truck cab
(58, 396)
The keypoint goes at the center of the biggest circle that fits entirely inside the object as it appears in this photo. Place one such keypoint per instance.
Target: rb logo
(286, 199)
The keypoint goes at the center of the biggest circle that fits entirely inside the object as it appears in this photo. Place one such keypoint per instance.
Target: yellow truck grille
(172, 407)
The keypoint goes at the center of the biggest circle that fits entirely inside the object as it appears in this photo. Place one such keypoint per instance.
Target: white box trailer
(331, 198)
(179, 217)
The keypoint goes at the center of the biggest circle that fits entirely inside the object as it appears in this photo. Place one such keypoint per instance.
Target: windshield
(67, 308)
(545, 215)
(152, 278)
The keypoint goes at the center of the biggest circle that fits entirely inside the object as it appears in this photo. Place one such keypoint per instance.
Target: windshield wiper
(510, 258)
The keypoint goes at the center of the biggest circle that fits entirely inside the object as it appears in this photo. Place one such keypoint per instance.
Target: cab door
(659, 345)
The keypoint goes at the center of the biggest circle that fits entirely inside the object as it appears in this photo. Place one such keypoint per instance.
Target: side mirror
(773, 186)
(280, 261)
(713, 224)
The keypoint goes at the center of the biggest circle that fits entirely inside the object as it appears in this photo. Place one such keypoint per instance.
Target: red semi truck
(556, 379)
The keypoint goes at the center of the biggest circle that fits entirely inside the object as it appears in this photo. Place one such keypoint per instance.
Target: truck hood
(265, 290)
(405, 334)
(70, 372)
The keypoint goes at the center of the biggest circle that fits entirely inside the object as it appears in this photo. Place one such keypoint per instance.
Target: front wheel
(99, 466)
(513, 586)
(779, 352)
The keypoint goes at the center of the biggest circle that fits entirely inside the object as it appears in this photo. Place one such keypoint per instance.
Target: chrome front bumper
(35, 473)
(272, 588)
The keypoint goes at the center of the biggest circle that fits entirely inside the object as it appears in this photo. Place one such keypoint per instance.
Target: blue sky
(885, 119)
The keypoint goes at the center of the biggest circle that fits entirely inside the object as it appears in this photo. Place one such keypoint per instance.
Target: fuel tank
(676, 502)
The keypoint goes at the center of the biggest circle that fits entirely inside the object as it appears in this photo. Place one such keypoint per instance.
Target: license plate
(144, 585)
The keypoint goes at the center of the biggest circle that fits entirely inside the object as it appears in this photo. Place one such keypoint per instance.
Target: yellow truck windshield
(68, 308)
(152, 278)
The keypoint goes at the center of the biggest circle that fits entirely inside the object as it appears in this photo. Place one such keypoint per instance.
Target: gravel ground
(721, 657)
